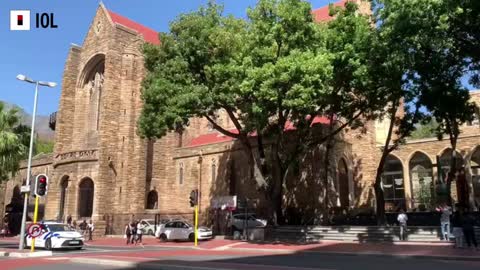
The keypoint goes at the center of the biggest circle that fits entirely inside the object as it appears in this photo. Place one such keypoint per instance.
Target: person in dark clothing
(468, 230)
(133, 228)
(69, 221)
(128, 233)
(458, 228)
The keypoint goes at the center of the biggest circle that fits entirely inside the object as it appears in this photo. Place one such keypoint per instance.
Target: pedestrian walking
(128, 233)
(402, 221)
(69, 221)
(468, 229)
(83, 228)
(90, 229)
(74, 225)
(133, 227)
(446, 212)
(140, 228)
(458, 228)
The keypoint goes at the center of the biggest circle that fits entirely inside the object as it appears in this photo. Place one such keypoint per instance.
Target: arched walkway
(475, 170)
(421, 178)
(152, 200)
(63, 196)
(85, 197)
(393, 184)
(343, 189)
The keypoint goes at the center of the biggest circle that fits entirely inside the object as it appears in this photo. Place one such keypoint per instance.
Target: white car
(148, 226)
(57, 235)
(181, 230)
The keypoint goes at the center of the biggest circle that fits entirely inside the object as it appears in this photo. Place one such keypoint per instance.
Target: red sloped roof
(322, 14)
(150, 35)
(216, 137)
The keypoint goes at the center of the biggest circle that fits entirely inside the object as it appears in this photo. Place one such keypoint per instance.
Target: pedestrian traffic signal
(194, 197)
(41, 185)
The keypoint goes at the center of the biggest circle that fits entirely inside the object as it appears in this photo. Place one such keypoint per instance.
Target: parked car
(238, 221)
(57, 235)
(181, 230)
(148, 226)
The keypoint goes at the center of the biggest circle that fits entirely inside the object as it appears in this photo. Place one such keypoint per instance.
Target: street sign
(34, 230)
(24, 189)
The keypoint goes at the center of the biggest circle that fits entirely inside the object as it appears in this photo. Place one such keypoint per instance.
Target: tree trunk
(326, 164)
(453, 170)
(379, 196)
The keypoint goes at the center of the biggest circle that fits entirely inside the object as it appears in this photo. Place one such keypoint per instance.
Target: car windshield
(59, 228)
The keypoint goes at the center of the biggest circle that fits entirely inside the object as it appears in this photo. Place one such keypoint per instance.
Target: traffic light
(194, 197)
(41, 185)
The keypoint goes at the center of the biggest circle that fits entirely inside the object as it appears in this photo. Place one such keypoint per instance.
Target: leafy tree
(424, 130)
(279, 67)
(43, 147)
(12, 142)
(437, 63)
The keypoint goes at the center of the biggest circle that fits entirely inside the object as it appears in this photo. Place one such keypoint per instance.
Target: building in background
(102, 170)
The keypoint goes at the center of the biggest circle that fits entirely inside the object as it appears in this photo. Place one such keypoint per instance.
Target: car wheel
(48, 244)
(163, 237)
(191, 237)
(150, 232)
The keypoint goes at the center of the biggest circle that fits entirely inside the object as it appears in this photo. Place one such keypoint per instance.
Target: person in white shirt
(90, 229)
(445, 221)
(140, 228)
(402, 221)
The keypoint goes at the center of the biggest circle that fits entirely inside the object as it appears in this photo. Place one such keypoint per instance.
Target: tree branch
(221, 129)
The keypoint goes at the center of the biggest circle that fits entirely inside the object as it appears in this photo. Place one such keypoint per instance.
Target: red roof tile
(322, 14)
(149, 35)
(216, 137)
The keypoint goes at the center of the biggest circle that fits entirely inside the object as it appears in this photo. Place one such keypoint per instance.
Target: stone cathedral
(102, 170)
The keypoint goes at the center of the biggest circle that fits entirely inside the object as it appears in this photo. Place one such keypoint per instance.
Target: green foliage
(425, 130)
(43, 147)
(276, 67)
(13, 137)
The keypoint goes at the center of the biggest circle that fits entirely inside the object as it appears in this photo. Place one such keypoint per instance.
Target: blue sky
(41, 53)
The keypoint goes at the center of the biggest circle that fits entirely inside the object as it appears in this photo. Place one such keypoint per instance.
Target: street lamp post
(30, 152)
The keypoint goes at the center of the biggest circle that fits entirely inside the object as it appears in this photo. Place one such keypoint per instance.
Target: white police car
(57, 235)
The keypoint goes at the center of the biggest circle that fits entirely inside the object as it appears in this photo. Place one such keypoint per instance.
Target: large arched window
(392, 183)
(93, 85)
(85, 198)
(63, 196)
(446, 162)
(458, 189)
(421, 178)
(152, 200)
(343, 189)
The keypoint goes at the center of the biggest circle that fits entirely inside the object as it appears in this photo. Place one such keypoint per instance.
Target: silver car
(181, 230)
(252, 221)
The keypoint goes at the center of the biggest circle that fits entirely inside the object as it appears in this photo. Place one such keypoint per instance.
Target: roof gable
(322, 14)
(149, 35)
